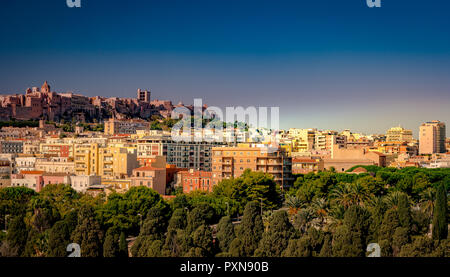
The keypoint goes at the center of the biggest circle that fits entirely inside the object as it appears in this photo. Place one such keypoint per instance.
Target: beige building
(125, 126)
(56, 165)
(231, 162)
(326, 140)
(432, 137)
(306, 165)
(151, 177)
(343, 159)
(25, 163)
(31, 148)
(82, 183)
(399, 134)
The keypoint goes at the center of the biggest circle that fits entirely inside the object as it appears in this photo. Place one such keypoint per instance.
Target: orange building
(231, 162)
(196, 180)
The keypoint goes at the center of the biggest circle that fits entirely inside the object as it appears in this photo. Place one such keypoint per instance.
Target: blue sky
(327, 64)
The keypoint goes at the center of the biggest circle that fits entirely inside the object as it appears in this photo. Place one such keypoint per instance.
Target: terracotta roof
(197, 173)
(56, 174)
(149, 168)
(31, 172)
(359, 169)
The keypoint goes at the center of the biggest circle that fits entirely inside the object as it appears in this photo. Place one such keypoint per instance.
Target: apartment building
(109, 162)
(302, 139)
(11, 146)
(57, 149)
(399, 134)
(30, 179)
(25, 163)
(306, 165)
(191, 155)
(125, 126)
(326, 140)
(432, 137)
(5, 173)
(231, 162)
(196, 180)
(151, 177)
(56, 165)
(82, 183)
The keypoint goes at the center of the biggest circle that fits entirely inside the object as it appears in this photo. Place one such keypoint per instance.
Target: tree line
(326, 214)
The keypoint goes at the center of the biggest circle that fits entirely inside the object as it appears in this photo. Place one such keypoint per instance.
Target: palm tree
(360, 194)
(304, 219)
(341, 195)
(426, 203)
(376, 202)
(307, 193)
(336, 213)
(392, 199)
(293, 203)
(320, 206)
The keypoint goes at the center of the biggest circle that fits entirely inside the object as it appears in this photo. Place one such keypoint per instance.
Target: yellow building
(302, 139)
(86, 159)
(117, 162)
(399, 134)
(108, 162)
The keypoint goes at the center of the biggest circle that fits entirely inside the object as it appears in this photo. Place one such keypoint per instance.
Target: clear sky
(328, 64)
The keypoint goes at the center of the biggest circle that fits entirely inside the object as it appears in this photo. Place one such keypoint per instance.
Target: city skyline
(374, 70)
(144, 100)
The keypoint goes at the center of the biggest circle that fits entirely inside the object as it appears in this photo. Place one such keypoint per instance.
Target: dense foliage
(327, 214)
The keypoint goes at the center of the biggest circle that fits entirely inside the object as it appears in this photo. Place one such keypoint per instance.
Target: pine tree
(58, 239)
(250, 232)
(326, 250)
(153, 229)
(155, 224)
(111, 246)
(347, 243)
(88, 233)
(401, 237)
(178, 220)
(276, 239)
(196, 218)
(390, 223)
(17, 235)
(225, 233)
(298, 248)
(440, 225)
(350, 239)
(202, 242)
(404, 212)
(123, 246)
